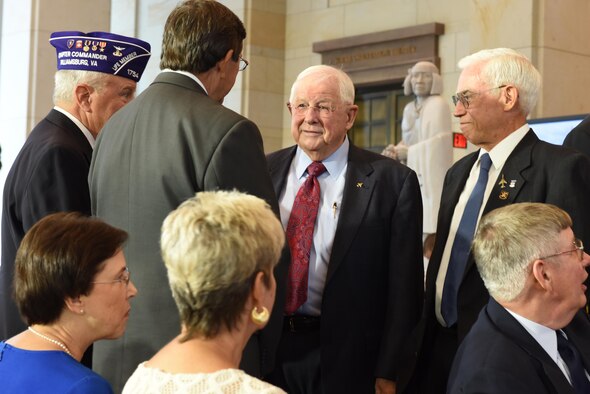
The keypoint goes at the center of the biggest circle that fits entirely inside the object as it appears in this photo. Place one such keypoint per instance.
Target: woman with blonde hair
(220, 249)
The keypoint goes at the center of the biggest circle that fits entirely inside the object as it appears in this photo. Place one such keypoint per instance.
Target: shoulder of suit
(280, 154)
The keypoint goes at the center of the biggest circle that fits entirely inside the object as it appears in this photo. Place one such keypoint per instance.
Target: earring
(260, 318)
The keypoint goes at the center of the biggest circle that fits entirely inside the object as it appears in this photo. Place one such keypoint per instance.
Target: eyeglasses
(243, 63)
(325, 111)
(466, 96)
(125, 278)
(579, 247)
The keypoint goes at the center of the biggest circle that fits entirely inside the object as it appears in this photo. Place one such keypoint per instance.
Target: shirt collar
(499, 153)
(188, 74)
(334, 163)
(80, 125)
(545, 336)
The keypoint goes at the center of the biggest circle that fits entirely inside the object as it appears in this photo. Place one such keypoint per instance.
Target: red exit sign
(459, 141)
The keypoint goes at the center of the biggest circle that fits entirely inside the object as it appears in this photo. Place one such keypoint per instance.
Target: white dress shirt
(331, 191)
(545, 336)
(499, 154)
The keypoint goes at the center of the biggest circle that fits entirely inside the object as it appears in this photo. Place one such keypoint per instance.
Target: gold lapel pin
(359, 184)
(504, 195)
(502, 182)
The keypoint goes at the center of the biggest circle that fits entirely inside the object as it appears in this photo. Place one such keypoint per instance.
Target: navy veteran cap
(103, 52)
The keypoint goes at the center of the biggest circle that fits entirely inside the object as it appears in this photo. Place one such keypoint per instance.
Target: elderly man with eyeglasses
(354, 225)
(532, 336)
(496, 91)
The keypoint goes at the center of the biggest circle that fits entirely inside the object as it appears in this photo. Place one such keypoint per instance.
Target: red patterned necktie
(300, 236)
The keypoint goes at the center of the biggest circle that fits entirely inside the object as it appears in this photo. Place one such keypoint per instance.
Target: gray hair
(328, 72)
(213, 246)
(67, 80)
(510, 238)
(505, 66)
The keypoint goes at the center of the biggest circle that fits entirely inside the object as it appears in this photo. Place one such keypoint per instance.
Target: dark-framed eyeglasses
(466, 97)
(124, 278)
(578, 247)
(243, 63)
(300, 109)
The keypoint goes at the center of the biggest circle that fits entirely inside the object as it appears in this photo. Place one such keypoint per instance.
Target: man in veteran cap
(96, 75)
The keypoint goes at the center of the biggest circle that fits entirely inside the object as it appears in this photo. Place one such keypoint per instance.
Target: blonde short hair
(213, 245)
(510, 238)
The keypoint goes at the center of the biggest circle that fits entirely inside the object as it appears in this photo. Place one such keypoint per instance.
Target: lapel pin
(359, 184)
(502, 182)
(513, 183)
(504, 195)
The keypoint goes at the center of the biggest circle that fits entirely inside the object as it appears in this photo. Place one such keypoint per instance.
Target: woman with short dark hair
(72, 288)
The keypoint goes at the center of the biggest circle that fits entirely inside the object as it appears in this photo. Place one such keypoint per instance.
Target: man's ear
(83, 96)
(351, 116)
(543, 274)
(510, 97)
(222, 64)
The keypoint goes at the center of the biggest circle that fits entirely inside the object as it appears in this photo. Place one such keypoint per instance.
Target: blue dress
(46, 371)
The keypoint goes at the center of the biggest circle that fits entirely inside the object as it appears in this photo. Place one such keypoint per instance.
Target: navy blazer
(500, 356)
(50, 174)
(374, 287)
(535, 171)
(579, 137)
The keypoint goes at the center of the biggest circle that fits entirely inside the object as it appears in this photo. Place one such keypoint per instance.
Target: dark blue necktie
(462, 243)
(570, 355)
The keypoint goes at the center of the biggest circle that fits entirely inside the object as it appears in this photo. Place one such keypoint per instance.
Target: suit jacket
(373, 292)
(541, 172)
(579, 137)
(49, 175)
(500, 356)
(169, 143)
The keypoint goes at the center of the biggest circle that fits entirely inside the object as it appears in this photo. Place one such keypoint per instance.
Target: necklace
(55, 341)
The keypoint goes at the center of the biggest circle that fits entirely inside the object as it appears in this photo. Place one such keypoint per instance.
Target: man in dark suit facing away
(523, 341)
(178, 139)
(356, 275)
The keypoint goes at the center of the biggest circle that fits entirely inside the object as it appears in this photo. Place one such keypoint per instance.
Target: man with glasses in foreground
(496, 91)
(176, 141)
(353, 220)
(529, 336)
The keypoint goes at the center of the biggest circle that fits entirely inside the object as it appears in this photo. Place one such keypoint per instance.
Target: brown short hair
(58, 258)
(198, 34)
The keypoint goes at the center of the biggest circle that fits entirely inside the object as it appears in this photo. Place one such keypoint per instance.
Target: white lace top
(146, 380)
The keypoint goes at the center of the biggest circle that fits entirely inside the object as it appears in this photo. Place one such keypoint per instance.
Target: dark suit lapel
(454, 184)
(578, 332)
(511, 179)
(279, 168)
(507, 325)
(64, 123)
(358, 190)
